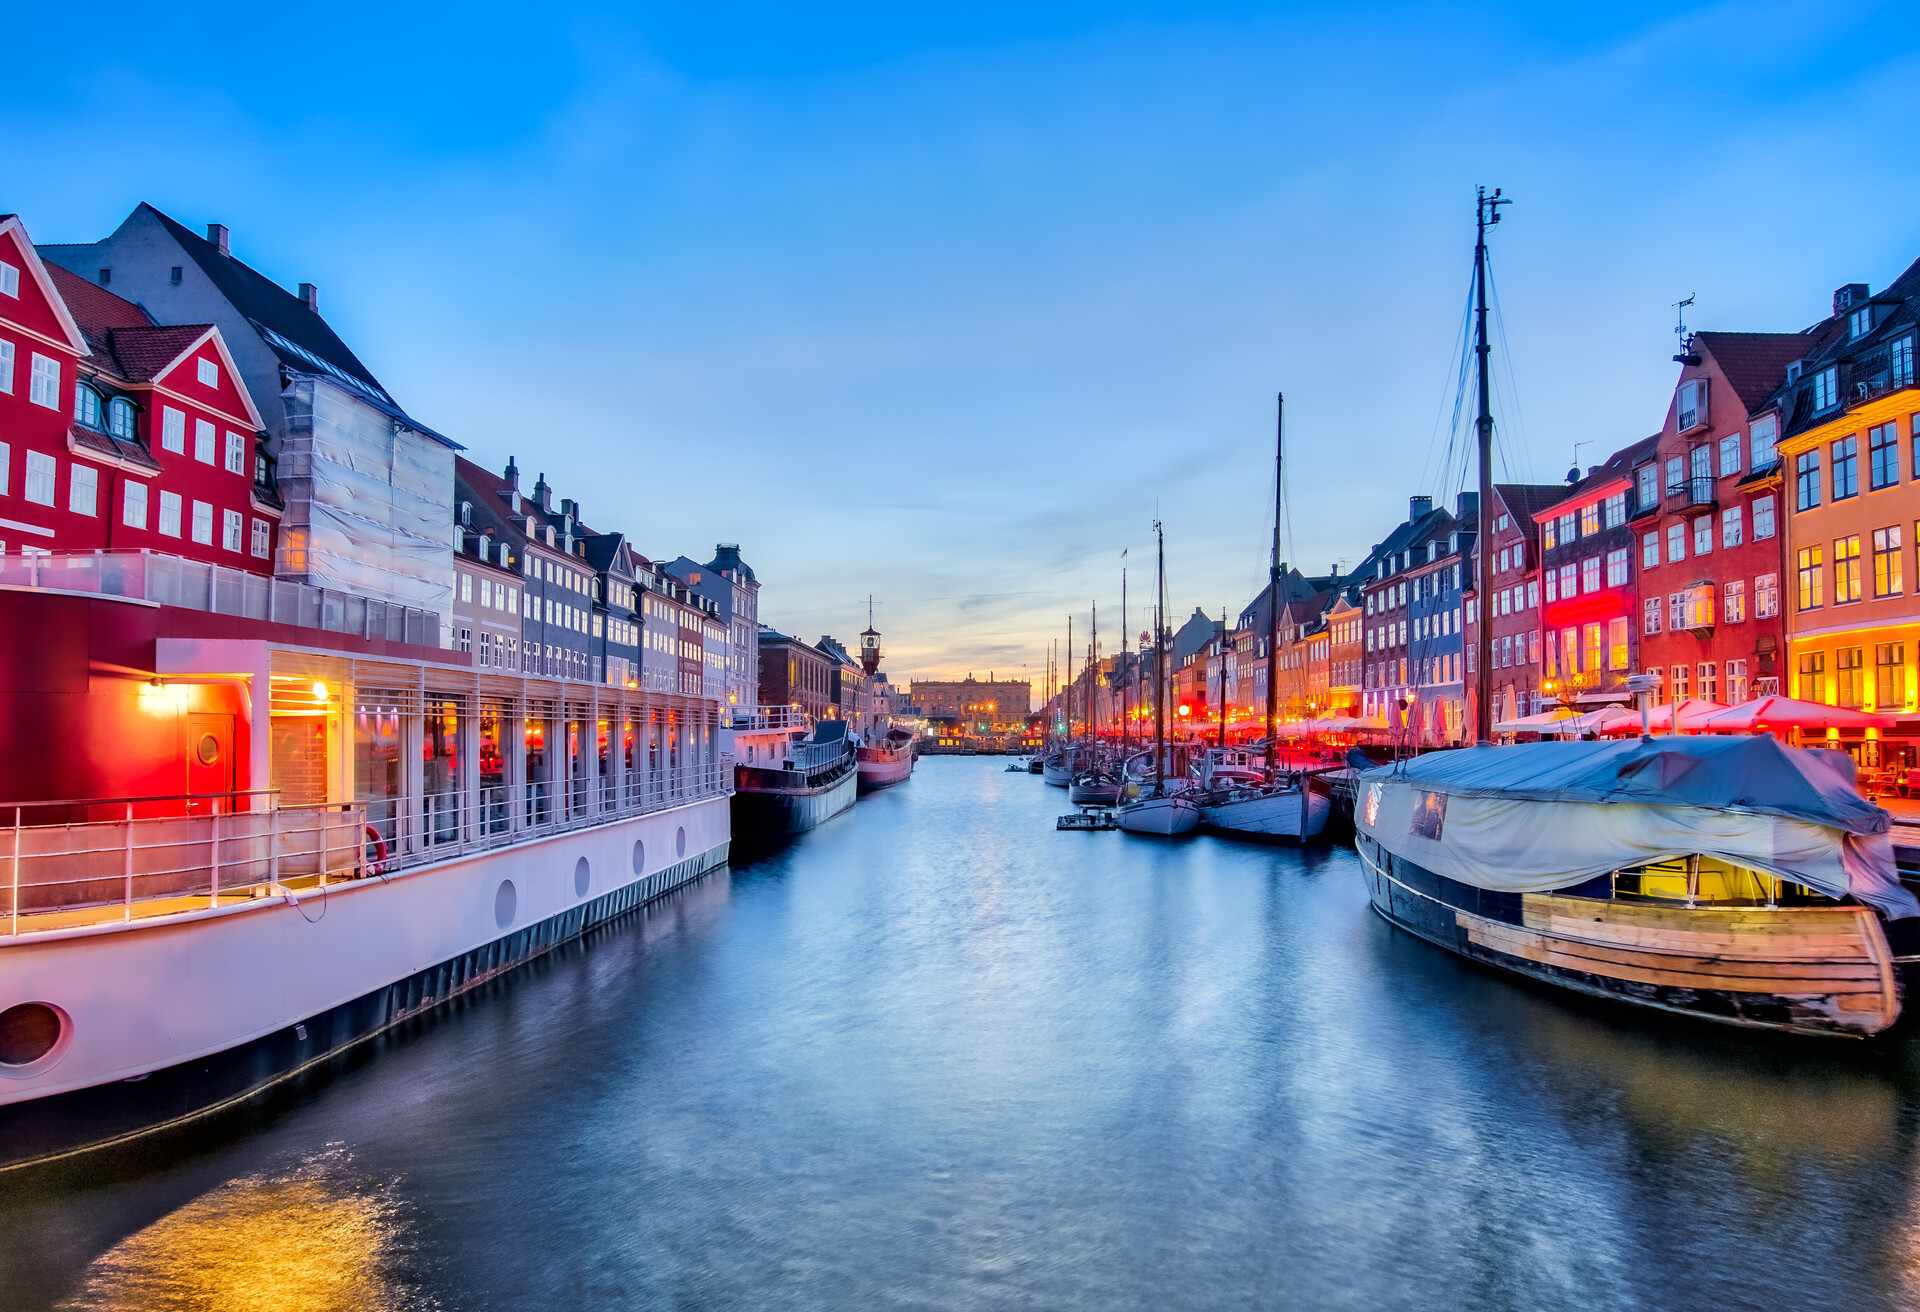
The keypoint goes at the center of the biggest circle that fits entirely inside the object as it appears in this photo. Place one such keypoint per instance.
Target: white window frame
(262, 540)
(202, 527)
(43, 472)
(6, 459)
(43, 386)
(207, 372)
(6, 366)
(9, 279)
(133, 504)
(203, 434)
(173, 430)
(83, 478)
(169, 522)
(232, 530)
(236, 453)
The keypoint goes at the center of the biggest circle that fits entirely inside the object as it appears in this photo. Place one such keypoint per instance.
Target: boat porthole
(582, 877)
(207, 749)
(639, 857)
(680, 841)
(29, 1033)
(506, 900)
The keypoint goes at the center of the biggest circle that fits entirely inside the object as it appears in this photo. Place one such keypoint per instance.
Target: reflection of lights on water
(309, 1239)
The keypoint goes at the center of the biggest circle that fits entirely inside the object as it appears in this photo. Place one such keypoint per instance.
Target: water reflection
(311, 1238)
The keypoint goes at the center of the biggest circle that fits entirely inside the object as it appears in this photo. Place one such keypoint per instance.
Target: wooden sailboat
(1164, 811)
(1280, 806)
(1732, 879)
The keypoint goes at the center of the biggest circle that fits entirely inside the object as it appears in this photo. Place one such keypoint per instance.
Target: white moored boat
(1166, 816)
(1287, 811)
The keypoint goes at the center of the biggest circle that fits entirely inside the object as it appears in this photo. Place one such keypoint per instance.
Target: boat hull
(1058, 774)
(1297, 815)
(1093, 794)
(261, 993)
(1160, 817)
(1823, 971)
(883, 769)
(769, 815)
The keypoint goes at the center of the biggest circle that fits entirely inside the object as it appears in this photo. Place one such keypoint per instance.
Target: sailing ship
(1164, 811)
(1731, 879)
(1280, 806)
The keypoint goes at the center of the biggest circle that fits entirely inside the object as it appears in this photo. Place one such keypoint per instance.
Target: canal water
(937, 1055)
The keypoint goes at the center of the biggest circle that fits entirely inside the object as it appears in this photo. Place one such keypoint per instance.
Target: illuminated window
(1886, 561)
(1846, 569)
(1617, 643)
(1889, 675)
(1766, 596)
(1811, 573)
(1589, 520)
(1733, 601)
(1848, 672)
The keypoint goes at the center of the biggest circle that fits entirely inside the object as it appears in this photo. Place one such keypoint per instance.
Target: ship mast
(1273, 586)
(1093, 682)
(1066, 673)
(1486, 212)
(1125, 676)
(1159, 664)
(1223, 678)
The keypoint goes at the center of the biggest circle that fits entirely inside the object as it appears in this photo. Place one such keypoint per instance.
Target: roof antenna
(1573, 474)
(1682, 333)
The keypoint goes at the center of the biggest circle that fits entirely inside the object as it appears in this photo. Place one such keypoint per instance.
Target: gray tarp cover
(1544, 816)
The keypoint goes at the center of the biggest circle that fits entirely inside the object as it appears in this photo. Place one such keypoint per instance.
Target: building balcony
(1696, 491)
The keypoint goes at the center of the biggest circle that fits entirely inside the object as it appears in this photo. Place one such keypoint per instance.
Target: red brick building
(1515, 608)
(118, 433)
(1709, 525)
(1588, 596)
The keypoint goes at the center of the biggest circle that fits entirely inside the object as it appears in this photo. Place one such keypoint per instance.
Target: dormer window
(549, 535)
(466, 514)
(1690, 405)
(1826, 389)
(1860, 322)
(1793, 371)
(86, 407)
(120, 418)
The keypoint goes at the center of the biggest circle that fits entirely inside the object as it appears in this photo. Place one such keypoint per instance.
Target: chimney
(217, 234)
(542, 494)
(513, 474)
(310, 297)
(1418, 506)
(1845, 298)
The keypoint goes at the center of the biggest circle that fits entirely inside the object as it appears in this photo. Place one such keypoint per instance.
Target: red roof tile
(1754, 364)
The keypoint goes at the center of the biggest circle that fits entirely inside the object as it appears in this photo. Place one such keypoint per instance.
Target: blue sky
(943, 306)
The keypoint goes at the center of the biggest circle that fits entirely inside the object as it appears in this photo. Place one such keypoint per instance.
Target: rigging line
(1513, 380)
(1458, 359)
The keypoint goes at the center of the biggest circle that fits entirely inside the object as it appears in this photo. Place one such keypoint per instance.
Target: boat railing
(769, 717)
(77, 862)
(168, 580)
(73, 863)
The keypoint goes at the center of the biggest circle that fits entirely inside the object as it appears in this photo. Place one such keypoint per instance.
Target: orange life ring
(377, 866)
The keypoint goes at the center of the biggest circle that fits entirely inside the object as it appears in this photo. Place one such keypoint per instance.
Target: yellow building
(1851, 464)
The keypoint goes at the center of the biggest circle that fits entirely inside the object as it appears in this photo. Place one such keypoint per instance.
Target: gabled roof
(1619, 465)
(1524, 501)
(1860, 361)
(1754, 364)
(38, 271)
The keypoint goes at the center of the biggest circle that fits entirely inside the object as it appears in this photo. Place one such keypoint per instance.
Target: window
(1883, 456)
(1649, 550)
(209, 372)
(1590, 645)
(1806, 481)
(1886, 561)
(203, 441)
(1676, 474)
(1860, 322)
(133, 504)
(1589, 520)
(40, 471)
(1566, 529)
(1590, 574)
(1617, 643)
(1889, 675)
(1617, 567)
(1647, 485)
(173, 430)
(203, 523)
(1766, 596)
(1553, 585)
(120, 418)
(6, 367)
(86, 407)
(1709, 676)
(9, 279)
(1691, 404)
(83, 489)
(1678, 678)
(1650, 615)
(1569, 582)
(1615, 510)
(1900, 362)
(170, 514)
(1810, 565)
(44, 386)
(262, 539)
(1811, 685)
(1826, 389)
(1846, 472)
(1553, 654)
(1729, 454)
(1847, 672)
(1762, 518)
(236, 454)
(1730, 526)
(1733, 602)
(1736, 682)
(1700, 465)
(232, 525)
(1846, 569)
(1676, 541)
(1703, 535)
(1760, 440)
